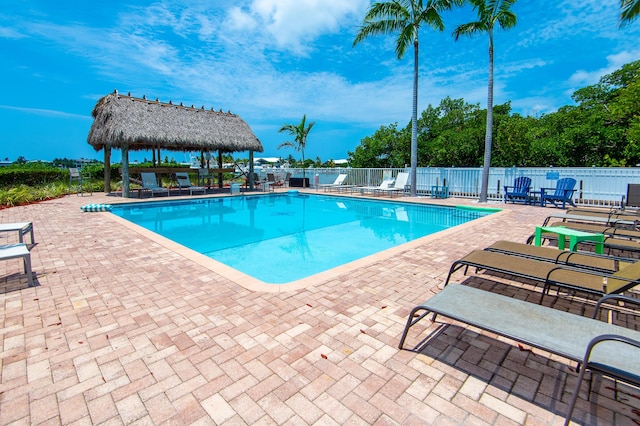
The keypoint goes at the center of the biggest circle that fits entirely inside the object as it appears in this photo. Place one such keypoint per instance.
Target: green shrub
(24, 194)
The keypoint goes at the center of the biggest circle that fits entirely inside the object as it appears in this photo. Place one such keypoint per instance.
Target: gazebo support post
(251, 187)
(125, 172)
(107, 169)
(220, 177)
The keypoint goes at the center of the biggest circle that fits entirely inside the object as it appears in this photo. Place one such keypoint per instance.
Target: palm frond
(288, 144)
(629, 10)
(490, 13)
(469, 29)
(381, 19)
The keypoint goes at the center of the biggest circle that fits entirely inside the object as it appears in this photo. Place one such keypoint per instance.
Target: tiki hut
(129, 123)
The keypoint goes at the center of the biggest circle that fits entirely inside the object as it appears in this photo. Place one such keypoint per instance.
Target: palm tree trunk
(488, 139)
(414, 121)
(304, 174)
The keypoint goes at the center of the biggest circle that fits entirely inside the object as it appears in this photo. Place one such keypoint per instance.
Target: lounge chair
(22, 228)
(585, 260)
(632, 201)
(184, 182)
(519, 192)
(252, 177)
(271, 180)
(336, 183)
(384, 185)
(626, 221)
(562, 193)
(551, 274)
(388, 185)
(270, 183)
(399, 185)
(150, 183)
(204, 176)
(629, 205)
(612, 217)
(611, 231)
(17, 251)
(561, 333)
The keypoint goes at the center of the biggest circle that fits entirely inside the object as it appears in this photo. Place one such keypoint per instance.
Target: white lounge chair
(386, 184)
(184, 182)
(150, 183)
(338, 182)
(398, 185)
(15, 251)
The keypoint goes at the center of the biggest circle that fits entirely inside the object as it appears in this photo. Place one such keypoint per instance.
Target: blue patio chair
(562, 193)
(519, 192)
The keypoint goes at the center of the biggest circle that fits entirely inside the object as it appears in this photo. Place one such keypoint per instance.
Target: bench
(569, 335)
(22, 228)
(16, 251)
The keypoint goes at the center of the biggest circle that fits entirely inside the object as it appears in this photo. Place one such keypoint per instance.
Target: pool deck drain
(124, 329)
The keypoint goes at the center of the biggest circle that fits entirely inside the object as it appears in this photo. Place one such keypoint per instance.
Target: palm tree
(490, 14)
(299, 133)
(405, 18)
(629, 10)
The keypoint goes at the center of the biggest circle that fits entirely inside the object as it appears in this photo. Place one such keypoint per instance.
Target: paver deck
(123, 328)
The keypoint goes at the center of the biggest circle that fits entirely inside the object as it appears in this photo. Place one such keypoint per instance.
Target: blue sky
(271, 61)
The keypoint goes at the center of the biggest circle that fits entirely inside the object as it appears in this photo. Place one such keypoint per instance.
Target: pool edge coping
(250, 283)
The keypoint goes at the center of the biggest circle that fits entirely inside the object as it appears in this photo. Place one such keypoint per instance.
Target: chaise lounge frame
(562, 333)
(562, 276)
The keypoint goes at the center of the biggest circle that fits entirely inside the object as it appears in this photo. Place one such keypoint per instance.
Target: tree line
(405, 17)
(602, 129)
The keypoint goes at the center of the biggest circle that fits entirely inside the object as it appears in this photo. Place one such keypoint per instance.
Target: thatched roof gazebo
(129, 123)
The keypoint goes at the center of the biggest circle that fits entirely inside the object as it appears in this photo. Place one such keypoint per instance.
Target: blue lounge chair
(562, 193)
(519, 192)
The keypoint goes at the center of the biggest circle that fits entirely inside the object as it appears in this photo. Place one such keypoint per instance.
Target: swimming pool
(284, 237)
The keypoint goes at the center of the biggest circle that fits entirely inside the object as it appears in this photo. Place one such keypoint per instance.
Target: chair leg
(27, 269)
(574, 399)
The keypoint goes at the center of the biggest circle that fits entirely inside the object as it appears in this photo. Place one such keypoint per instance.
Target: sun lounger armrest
(616, 297)
(603, 368)
(628, 377)
(548, 219)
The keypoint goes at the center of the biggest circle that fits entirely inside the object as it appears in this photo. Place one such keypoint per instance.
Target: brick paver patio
(123, 329)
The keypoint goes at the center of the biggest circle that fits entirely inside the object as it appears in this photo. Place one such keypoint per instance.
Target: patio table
(575, 237)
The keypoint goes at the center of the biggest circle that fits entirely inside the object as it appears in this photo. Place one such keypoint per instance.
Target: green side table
(574, 237)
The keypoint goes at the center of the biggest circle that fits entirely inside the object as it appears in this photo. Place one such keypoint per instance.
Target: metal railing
(596, 186)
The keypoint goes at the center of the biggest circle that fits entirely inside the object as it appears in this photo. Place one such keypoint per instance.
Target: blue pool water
(278, 238)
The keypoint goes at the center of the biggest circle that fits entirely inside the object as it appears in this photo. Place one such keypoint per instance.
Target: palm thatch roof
(123, 121)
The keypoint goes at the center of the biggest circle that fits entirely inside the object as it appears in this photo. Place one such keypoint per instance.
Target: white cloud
(46, 112)
(568, 20)
(293, 24)
(583, 78)
(6, 32)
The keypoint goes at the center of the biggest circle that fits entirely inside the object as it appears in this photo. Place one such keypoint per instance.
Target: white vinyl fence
(598, 186)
